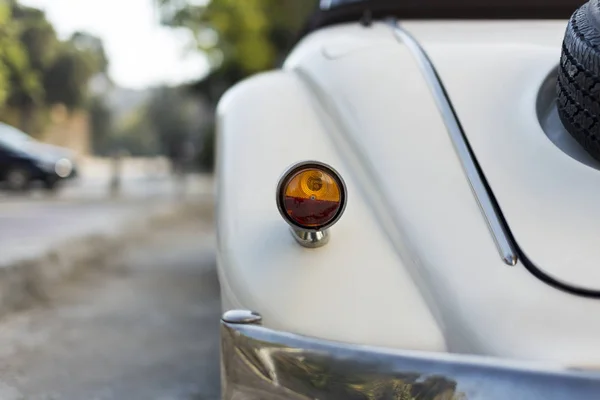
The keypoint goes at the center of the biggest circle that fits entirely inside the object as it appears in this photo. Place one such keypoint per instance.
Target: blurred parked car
(24, 161)
(468, 153)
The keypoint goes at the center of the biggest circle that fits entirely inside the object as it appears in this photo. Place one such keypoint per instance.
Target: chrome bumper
(261, 364)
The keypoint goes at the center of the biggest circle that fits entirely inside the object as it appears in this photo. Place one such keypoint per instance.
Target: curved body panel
(548, 198)
(412, 263)
(355, 289)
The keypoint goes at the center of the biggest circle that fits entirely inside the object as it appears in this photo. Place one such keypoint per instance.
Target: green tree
(25, 88)
(79, 59)
(136, 136)
(38, 70)
(93, 50)
(8, 38)
(37, 35)
(20, 86)
(59, 71)
(65, 80)
(165, 124)
(101, 125)
(239, 37)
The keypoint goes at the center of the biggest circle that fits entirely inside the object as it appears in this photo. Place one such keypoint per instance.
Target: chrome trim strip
(503, 241)
(263, 364)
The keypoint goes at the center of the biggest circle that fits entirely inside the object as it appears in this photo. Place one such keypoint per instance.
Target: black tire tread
(578, 86)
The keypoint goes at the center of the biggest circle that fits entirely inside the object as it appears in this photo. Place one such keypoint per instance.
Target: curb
(27, 282)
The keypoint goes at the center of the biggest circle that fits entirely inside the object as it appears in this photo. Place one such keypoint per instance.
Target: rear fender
(336, 292)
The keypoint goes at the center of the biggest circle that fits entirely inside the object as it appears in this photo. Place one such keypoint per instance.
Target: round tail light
(311, 196)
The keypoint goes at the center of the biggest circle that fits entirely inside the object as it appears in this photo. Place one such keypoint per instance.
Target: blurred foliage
(239, 38)
(18, 80)
(101, 125)
(169, 123)
(38, 70)
(135, 136)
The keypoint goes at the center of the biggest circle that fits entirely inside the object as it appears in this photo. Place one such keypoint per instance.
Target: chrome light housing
(311, 198)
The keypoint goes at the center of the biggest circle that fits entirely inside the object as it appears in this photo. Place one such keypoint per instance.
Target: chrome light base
(311, 239)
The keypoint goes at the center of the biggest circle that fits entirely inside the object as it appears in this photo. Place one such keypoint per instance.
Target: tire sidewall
(18, 179)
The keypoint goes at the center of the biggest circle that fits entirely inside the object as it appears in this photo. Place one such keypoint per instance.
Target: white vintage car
(410, 208)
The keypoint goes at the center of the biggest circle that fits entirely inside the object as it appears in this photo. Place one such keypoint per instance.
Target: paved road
(132, 187)
(36, 223)
(141, 178)
(145, 329)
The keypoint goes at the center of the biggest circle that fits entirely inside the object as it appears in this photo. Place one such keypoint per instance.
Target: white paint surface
(549, 199)
(412, 258)
(355, 289)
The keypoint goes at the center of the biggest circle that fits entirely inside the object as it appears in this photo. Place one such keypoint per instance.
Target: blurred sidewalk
(140, 178)
(33, 229)
(34, 225)
(43, 232)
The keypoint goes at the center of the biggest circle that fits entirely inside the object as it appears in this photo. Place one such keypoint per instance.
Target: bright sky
(141, 52)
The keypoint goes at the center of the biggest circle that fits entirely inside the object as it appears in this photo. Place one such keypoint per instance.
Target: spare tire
(579, 78)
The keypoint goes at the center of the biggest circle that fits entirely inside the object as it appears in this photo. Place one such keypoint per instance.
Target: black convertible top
(333, 11)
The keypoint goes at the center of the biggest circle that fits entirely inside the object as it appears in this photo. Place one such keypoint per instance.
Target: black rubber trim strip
(444, 9)
(527, 263)
(535, 271)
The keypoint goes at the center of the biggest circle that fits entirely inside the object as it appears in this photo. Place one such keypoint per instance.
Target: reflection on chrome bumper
(259, 363)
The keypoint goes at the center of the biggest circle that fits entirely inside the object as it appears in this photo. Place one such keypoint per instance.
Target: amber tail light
(311, 196)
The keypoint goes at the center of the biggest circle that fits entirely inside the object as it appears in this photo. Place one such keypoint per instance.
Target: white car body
(413, 264)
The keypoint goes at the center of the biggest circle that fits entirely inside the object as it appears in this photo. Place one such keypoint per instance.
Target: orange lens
(312, 198)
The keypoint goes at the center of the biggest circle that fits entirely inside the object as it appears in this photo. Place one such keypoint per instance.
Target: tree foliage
(239, 37)
(168, 123)
(18, 80)
(65, 80)
(101, 124)
(37, 35)
(38, 70)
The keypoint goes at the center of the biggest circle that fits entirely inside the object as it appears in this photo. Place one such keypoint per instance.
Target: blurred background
(139, 77)
(108, 284)
(107, 136)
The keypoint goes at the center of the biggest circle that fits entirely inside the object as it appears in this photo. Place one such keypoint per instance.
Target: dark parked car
(24, 160)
